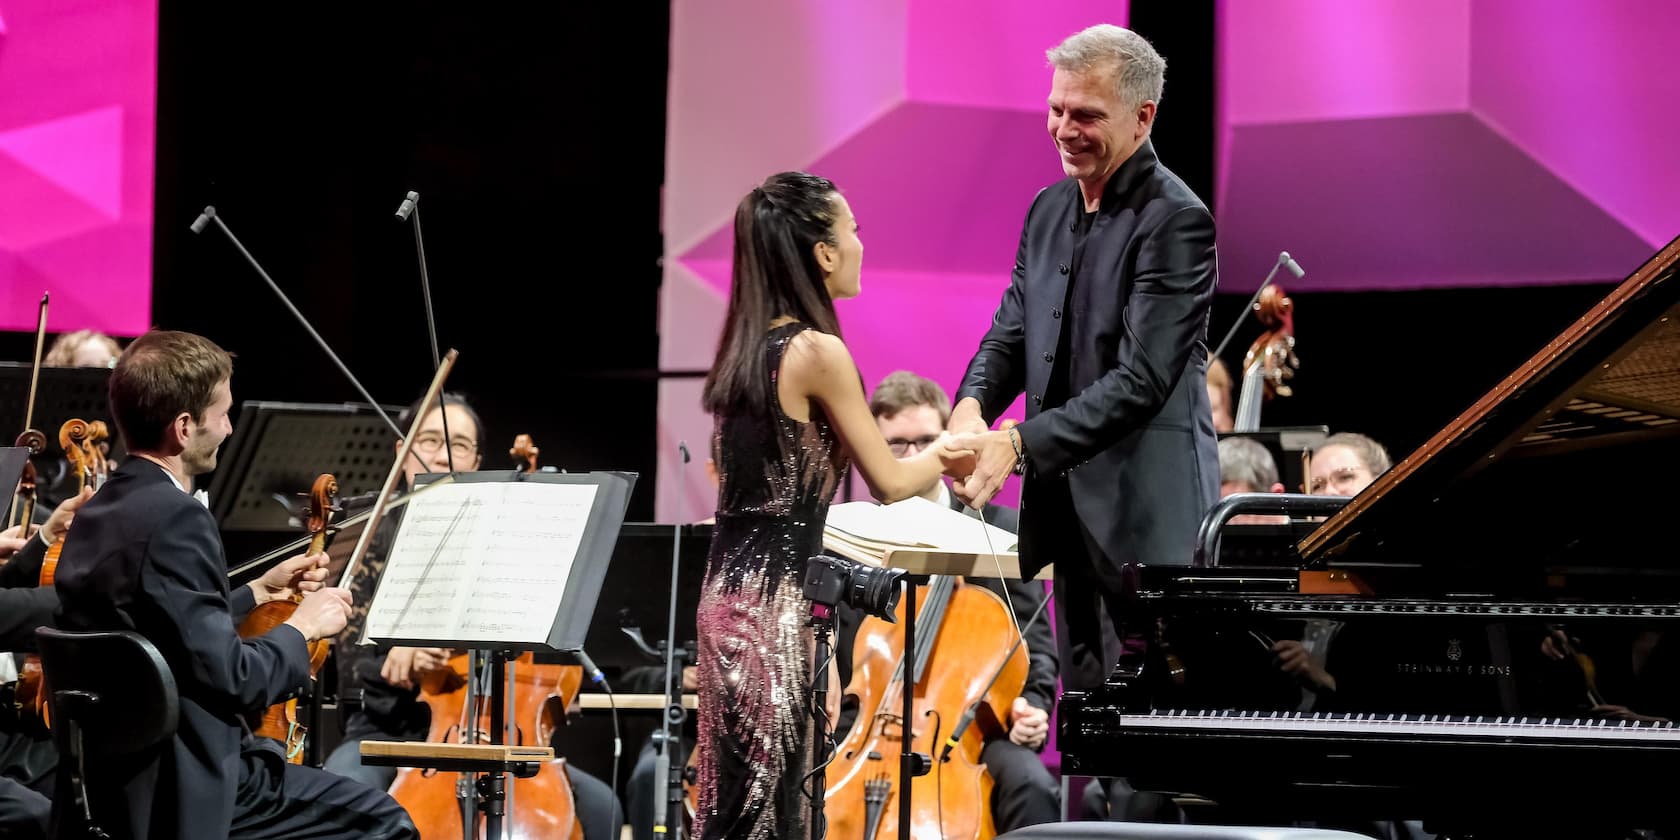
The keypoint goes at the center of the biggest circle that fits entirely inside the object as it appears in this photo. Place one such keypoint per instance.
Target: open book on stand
(922, 537)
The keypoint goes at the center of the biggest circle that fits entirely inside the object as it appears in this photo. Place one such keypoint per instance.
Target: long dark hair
(777, 227)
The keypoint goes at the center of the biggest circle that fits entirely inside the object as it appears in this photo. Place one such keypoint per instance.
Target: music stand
(64, 393)
(1288, 445)
(635, 593)
(277, 450)
(502, 563)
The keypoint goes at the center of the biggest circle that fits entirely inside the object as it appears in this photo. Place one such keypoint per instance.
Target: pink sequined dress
(778, 476)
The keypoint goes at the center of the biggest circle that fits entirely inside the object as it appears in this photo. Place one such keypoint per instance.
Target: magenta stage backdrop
(1396, 144)
(77, 94)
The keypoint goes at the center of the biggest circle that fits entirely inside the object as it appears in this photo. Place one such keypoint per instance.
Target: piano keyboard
(1323, 723)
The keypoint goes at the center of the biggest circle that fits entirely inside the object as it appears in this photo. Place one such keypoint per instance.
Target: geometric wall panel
(77, 103)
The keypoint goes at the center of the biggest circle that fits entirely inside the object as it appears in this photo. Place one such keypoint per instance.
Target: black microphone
(1283, 260)
(203, 219)
(407, 206)
(682, 446)
(410, 209)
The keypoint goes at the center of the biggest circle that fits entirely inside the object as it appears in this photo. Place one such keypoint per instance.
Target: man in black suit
(911, 412)
(1104, 327)
(145, 556)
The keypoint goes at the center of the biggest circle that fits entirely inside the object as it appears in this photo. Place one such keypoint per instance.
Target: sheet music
(481, 561)
(918, 522)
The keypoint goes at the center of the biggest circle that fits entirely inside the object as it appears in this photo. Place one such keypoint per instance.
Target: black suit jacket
(1134, 439)
(23, 605)
(146, 557)
(1025, 596)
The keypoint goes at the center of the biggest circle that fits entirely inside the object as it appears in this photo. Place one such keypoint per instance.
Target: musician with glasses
(387, 680)
(1346, 463)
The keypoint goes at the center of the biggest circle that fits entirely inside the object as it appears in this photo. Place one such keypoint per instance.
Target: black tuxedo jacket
(144, 556)
(24, 606)
(1133, 438)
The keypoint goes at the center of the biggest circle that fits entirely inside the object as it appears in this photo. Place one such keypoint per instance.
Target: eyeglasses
(1338, 479)
(428, 443)
(901, 447)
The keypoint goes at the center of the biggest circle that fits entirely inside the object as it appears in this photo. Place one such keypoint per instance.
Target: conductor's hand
(954, 461)
(405, 666)
(994, 462)
(1028, 724)
(966, 418)
(301, 574)
(322, 614)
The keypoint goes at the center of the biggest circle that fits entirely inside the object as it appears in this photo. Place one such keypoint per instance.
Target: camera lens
(833, 581)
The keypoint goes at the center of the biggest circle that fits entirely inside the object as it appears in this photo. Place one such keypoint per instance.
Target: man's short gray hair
(1247, 462)
(1141, 72)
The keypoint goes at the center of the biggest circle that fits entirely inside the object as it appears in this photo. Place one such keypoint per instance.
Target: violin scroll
(524, 453)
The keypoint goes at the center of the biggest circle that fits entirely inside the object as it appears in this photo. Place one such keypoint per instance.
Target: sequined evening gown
(777, 476)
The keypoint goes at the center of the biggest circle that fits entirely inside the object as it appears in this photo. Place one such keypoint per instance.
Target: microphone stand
(666, 760)
(1282, 260)
(492, 787)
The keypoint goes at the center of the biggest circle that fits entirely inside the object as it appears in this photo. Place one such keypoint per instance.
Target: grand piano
(1494, 624)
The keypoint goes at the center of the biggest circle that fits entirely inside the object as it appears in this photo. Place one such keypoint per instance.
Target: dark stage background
(536, 141)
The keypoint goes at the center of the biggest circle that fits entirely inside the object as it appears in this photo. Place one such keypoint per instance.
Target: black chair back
(112, 703)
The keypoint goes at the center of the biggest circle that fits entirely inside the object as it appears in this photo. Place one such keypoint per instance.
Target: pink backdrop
(77, 103)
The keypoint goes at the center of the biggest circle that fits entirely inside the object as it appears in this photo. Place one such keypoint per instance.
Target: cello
(965, 654)
(1270, 361)
(280, 721)
(441, 803)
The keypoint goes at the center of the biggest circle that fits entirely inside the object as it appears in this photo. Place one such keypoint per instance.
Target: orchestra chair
(1167, 831)
(114, 707)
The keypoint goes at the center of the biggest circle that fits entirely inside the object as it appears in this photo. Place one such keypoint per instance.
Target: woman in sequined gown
(790, 415)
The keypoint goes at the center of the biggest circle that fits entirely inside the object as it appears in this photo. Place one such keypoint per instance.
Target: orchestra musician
(387, 678)
(83, 348)
(27, 758)
(1219, 395)
(911, 412)
(1247, 466)
(145, 556)
(1346, 463)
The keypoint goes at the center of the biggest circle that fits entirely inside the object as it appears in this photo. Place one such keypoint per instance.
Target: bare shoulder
(817, 353)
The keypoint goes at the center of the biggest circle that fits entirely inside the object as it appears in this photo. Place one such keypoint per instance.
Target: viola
(539, 807)
(280, 721)
(1270, 361)
(965, 654)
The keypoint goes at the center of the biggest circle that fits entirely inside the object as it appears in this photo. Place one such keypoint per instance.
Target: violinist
(911, 412)
(1247, 466)
(27, 759)
(145, 556)
(83, 348)
(387, 680)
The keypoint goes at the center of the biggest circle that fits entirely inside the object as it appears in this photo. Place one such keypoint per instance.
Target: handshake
(978, 459)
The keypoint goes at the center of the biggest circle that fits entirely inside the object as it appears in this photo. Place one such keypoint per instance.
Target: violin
(280, 721)
(1270, 361)
(965, 637)
(79, 440)
(539, 807)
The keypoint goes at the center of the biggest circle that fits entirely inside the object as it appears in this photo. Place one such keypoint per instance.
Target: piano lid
(1545, 451)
